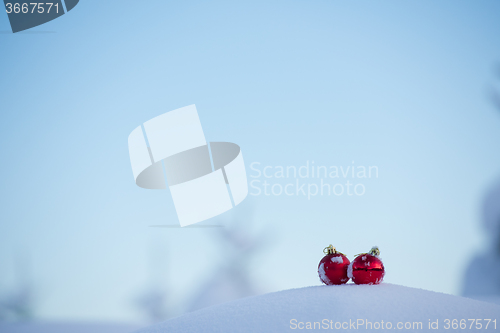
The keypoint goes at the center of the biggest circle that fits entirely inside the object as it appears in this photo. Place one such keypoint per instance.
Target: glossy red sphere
(332, 269)
(367, 269)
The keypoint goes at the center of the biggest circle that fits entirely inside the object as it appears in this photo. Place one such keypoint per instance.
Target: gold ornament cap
(374, 251)
(331, 250)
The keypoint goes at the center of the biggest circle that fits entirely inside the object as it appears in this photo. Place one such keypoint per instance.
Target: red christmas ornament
(367, 268)
(332, 269)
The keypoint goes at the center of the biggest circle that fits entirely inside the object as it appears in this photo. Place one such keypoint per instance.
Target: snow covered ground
(341, 308)
(337, 308)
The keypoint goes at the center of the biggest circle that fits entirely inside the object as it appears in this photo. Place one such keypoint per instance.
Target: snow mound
(331, 307)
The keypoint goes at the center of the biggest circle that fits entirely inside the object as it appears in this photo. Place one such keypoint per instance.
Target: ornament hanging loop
(330, 250)
(374, 251)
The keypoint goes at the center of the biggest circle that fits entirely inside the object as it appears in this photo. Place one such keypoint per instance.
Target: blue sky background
(400, 85)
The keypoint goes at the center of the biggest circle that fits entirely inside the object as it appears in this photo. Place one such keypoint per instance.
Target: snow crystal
(363, 258)
(337, 260)
(322, 273)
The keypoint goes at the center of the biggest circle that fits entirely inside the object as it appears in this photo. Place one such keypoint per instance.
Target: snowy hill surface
(332, 307)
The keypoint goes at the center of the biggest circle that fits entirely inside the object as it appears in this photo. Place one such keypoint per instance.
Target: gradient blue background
(400, 85)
